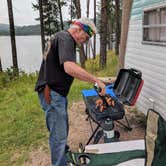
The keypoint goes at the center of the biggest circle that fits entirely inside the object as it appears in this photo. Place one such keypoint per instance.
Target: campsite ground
(80, 131)
(24, 135)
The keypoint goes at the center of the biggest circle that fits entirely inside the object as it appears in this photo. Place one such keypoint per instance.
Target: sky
(25, 15)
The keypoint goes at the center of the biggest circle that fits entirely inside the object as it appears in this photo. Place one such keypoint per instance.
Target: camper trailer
(146, 50)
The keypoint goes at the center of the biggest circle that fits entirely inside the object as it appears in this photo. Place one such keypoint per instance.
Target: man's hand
(102, 86)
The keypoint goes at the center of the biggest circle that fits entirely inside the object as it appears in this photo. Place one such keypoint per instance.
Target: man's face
(81, 36)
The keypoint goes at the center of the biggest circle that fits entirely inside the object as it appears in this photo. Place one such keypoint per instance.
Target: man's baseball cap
(87, 25)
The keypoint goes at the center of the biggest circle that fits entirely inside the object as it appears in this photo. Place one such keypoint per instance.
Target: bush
(110, 69)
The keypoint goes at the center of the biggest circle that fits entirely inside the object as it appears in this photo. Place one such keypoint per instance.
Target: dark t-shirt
(62, 49)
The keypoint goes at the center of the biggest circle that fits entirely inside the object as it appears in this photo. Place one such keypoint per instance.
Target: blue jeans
(57, 124)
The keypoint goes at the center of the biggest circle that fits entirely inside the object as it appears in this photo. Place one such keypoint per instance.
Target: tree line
(20, 30)
(110, 16)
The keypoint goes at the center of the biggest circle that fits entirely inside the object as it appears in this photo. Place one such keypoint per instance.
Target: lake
(29, 52)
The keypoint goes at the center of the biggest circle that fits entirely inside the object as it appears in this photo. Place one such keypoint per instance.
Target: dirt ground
(80, 131)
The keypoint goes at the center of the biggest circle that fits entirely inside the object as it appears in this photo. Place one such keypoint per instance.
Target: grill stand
(110, 135)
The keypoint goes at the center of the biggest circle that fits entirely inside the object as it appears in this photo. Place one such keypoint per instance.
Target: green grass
(22, 123)
(110, 69)
(21, 119)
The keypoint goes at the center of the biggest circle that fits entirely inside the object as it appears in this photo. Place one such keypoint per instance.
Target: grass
(22, 124)
(92, 66)
(21, 119)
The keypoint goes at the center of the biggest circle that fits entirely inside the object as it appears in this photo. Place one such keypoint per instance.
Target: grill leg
(128, 127)
(98, 136)
(98, 126)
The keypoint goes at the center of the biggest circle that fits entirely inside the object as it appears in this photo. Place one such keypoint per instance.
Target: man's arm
(76, 71)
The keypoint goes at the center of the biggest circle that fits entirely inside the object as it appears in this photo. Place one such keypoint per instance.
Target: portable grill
(124, 91)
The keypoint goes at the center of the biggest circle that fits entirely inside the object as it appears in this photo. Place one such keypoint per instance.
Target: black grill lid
(128, 85)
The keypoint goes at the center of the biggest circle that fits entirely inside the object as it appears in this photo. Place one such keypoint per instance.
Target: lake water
(29, 53)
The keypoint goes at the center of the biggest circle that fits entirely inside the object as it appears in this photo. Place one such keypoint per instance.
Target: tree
(88, 3)
(110, 18)
(60, 13)
(77, 5)
(47, 10)
(126, 9)
(109, 34)
(117, 25)
(82, 52)
(72, 10)
(52, 16)
(87, 44)
(12, 36)
(41, 24)
(0, 65)
(103, 34)
(94, 38)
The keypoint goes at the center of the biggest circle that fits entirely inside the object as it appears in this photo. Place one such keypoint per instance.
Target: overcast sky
(25, 15)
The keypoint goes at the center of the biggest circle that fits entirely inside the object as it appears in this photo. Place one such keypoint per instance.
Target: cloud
(25, 15)
(22, 11)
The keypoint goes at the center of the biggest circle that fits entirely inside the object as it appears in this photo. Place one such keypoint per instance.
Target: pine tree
(52, 16)
(83, 58)
(0, 65)
(117, 25)
(41, 24)
(94, 41)
(103, 34)
(72, 10)
(12, 36)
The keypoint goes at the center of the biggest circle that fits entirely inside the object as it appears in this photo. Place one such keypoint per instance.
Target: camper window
(154, 26)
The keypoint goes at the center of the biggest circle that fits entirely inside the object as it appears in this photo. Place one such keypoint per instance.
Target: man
(55, 78)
